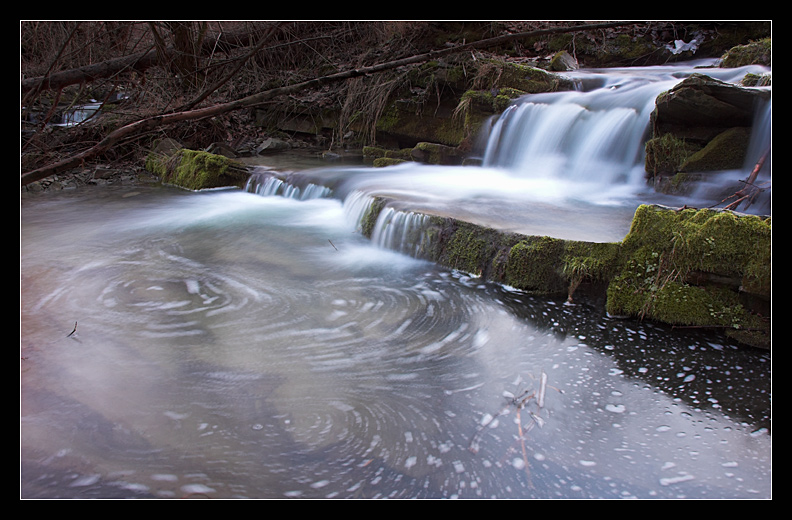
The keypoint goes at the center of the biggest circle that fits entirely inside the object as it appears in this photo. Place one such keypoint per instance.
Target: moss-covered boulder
(726, 151)
(536, 264)
(703, 268)
(701, 125)
(450, 101)
(700, 107)
(754, 53)
(196, 170)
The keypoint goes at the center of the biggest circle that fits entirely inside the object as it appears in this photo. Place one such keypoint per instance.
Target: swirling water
(229, 345)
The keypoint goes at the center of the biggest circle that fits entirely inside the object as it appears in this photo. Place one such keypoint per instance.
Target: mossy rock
(695, 268)
(727, 151)
(687, 267)
(405, 122)
(471, 248)
(382, 162)
(497, 74)
(197, 170)
(546, 265)
(666, 154)
(369, 221)
(754, 53)
(535, 265)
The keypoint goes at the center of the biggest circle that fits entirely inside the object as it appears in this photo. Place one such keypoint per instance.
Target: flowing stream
(252, 344)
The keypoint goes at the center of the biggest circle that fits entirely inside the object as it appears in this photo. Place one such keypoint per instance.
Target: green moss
(196, 170)
(382, 162)
(725, 151)
(667, 154)
(492, 101)
(757, 52)
(548, 265)
(726, 254)
(369, 220)
(536, 265)
(374, 152)
(495, 74)
(464, 246)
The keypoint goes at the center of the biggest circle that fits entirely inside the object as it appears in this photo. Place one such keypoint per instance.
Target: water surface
(230, 345)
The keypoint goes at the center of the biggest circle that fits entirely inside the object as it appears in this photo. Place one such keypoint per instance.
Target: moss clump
(666, 154)
(465, 246)
(197, 170)
(369, 220)
(495, 74)
(535, 265)
(692, 267)
(726, 151)
(755, 53)
(546, 265)
(382, 162)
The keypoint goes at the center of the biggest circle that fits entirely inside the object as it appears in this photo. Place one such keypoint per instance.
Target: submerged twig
(332, 244)
(519, 402)
(73, 330)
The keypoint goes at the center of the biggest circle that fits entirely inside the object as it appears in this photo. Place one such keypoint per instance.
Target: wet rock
(700, 107)
(197, 170)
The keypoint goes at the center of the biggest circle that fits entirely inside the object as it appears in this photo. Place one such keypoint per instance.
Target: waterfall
(594, 136)
(567, 164)
(400, 231)
(267, 184)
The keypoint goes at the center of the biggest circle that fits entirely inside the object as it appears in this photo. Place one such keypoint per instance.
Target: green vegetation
(196, 170)
(690, 267)
(756, 52)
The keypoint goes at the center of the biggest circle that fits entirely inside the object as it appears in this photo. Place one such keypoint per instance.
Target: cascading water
(588, 137)
(268, 185)
(566, 164)
(596, 134)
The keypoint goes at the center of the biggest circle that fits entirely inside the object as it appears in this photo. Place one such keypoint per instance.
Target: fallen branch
(751, 190)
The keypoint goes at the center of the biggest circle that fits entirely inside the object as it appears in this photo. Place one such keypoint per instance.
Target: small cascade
(356, 206)
(576, 136)
(267, 185)
(400, 231)
(594, 135)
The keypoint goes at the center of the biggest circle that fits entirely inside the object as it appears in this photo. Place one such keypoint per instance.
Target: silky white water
(564, 164)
